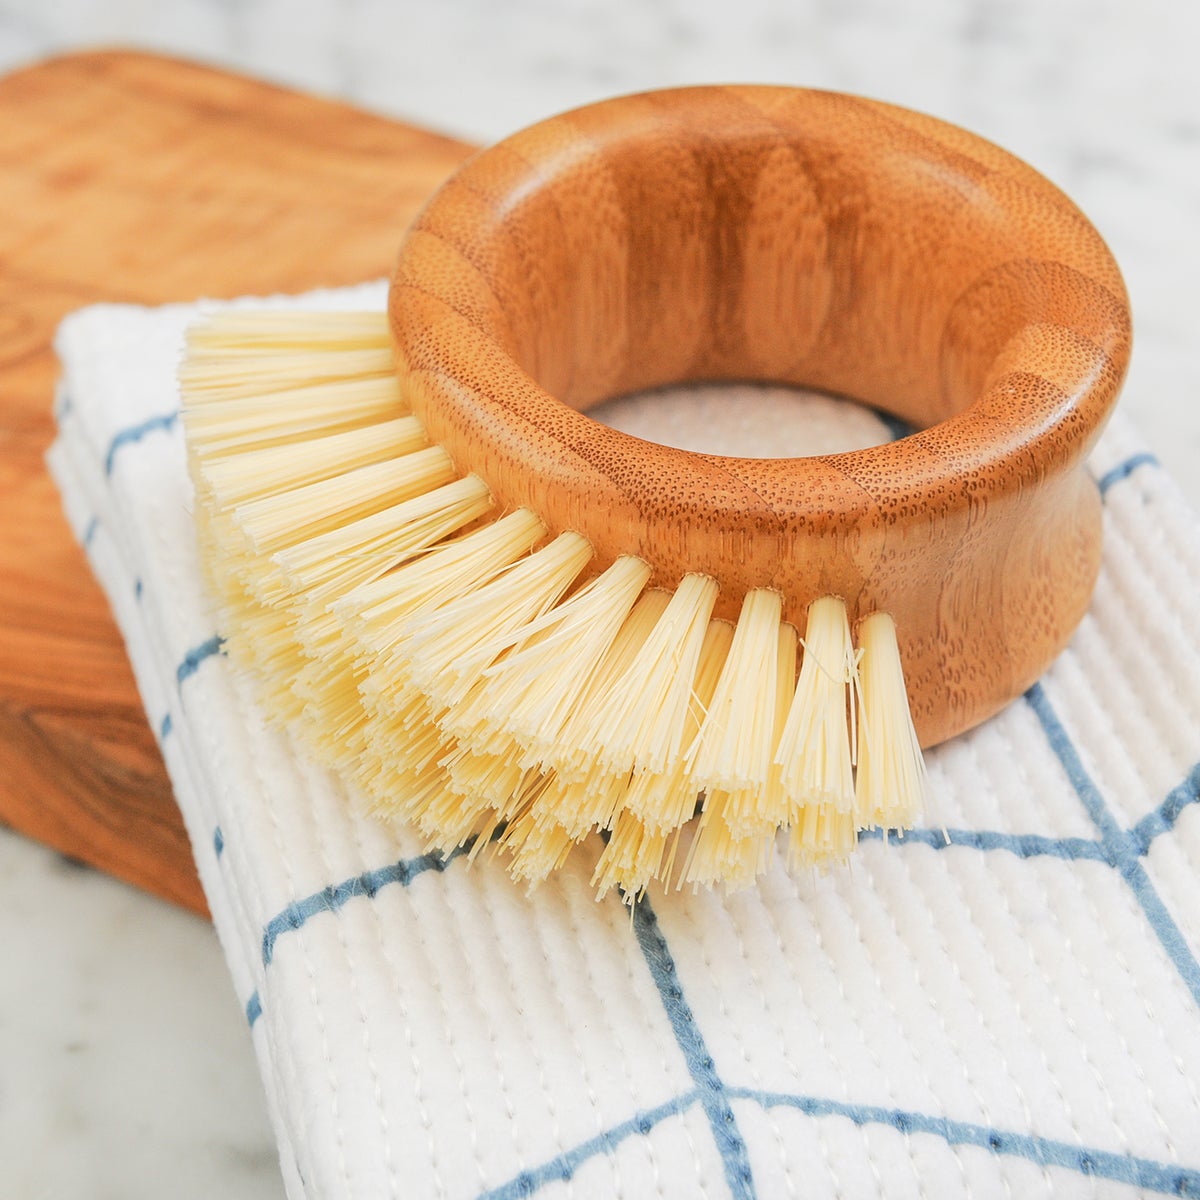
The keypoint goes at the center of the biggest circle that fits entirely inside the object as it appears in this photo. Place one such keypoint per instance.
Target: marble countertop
(126, 1066)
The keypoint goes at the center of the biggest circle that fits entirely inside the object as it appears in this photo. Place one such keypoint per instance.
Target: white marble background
(125, 1066)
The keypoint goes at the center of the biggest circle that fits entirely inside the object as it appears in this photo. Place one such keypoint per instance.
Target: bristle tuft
(464, 671)
(641, 722)
(814, 753)
(892, 786)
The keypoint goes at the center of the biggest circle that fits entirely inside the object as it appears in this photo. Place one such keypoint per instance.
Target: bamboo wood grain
(127, 177)
(810, 238)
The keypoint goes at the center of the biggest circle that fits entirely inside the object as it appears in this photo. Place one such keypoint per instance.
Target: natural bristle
(464, 670)
(814, 753)
(642, 720)
(891, 788)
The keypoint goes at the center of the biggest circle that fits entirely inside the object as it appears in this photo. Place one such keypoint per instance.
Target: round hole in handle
(749, 420)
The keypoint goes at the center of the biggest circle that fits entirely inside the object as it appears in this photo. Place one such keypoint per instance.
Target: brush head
(503, 621)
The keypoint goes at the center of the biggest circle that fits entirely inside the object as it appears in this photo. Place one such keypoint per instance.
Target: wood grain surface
(805, 237)
(126, 177)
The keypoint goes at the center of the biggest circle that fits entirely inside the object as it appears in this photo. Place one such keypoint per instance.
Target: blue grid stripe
(135, 433)
(1122, 847)
(564, 1166)
(712, 1092)
(330, 899)
(1148, 1174)
(1162, 819)
(1116, 847)
(1023, 845)
(1124, 469)
(190, 663)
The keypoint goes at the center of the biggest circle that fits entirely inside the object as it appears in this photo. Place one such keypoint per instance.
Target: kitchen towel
(1004, 1003)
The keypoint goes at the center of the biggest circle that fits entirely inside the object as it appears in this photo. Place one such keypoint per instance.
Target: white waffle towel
(1014, 1014)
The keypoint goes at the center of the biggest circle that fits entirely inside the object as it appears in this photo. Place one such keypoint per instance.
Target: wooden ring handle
(760, 233)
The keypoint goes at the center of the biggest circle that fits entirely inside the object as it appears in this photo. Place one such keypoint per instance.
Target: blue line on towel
(218, 842)
(1121, 846)
(195, 656)
(1148, 1174)
(565, 1165)
(253, 1009)
(330, 899)
(1163, 818)
(712, 1093)
(1124, 469)
(1023, 845)
(135, 433)
(89, 533)
(1140, 1172)
(165, 726)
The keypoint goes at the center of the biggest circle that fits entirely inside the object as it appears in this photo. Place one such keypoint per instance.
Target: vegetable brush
(506, 623)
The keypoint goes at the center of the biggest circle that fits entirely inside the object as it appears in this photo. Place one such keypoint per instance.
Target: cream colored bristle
(322, 569)
(814, 753)
(737, 738)
(642, 720)
(447, 649)
(632, 859)
(239, 370)
(245, 354)
(735, 836)
(268, 330)
(396, 760)
(236, 424)
(580, 805)
(261, 636)
(564, 756)
(449, 818)
(438, 655)
(274, 522)
(376, 611)
(489, 778)
(718, 855)
(531, 690)
(760, 809)
(648, 808)
(662, 801)
(237, 478)
(821, 837)
(401, 795)
(527, 695)
(472, 687)
(537, 846)
(368, 618)
(892, 787)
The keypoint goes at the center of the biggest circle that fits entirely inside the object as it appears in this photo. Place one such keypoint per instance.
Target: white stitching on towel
(395, 973)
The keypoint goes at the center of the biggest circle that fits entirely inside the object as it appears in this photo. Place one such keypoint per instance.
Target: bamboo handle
(810, 238)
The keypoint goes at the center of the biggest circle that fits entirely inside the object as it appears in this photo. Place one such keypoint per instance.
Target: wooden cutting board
(126, 177)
